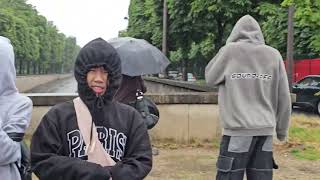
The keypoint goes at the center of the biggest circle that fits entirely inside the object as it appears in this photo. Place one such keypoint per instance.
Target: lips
(97, 89)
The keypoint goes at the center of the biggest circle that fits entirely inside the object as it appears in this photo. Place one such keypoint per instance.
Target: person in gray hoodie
(15, 114)
(254, 100)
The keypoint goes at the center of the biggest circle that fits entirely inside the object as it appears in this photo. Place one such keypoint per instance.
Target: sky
(85, 19)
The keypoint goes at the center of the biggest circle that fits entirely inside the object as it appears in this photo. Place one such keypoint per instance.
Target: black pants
(252, 155)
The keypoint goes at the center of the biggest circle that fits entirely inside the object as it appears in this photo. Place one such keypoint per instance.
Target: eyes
(99, 69)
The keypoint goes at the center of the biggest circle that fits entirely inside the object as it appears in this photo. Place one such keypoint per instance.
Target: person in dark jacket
(128, 88)
(131, 92)
(58, 150)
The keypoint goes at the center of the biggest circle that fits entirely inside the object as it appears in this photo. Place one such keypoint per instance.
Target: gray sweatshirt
(254, 94)
(15, 113)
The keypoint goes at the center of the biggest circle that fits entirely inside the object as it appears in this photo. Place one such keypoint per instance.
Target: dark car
(307, 92)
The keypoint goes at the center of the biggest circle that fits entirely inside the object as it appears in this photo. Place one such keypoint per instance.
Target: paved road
(68, 85)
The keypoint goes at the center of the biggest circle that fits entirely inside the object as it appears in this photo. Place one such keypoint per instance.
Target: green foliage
(197, 29)
(176, 56)
(37, 43)
(274, 25)
(306, 27)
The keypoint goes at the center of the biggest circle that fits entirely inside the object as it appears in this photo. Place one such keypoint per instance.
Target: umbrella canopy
(138, 57)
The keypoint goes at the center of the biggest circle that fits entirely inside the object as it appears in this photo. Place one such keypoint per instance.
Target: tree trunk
(28, 67)
(290, 70)
(220, 29)
(164, 32)
(20, 66)
(184, 69)
(34, 67)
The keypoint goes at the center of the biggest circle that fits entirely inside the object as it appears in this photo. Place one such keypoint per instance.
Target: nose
(99, 76)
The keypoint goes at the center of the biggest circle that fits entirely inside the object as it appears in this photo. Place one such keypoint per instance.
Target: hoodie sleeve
(284, 104)
(215, 70)
(137, 162)
(9, 149)
(48, 162)
(19, 117)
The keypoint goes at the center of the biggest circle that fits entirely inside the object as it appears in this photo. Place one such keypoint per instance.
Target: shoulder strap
(84, 120)
(95, 151)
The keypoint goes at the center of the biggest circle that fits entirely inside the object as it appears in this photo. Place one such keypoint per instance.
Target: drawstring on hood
(247, 29)
(100, 102)
(7, 69)
(94, 54)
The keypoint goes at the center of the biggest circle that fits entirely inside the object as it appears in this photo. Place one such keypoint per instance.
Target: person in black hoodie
(57, 147)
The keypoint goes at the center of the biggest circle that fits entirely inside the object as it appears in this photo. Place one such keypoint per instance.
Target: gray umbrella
(138, 57)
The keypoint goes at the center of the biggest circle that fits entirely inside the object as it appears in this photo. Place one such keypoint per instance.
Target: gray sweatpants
(239, 154)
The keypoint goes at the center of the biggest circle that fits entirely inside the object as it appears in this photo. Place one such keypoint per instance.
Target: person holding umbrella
(131, 92)
(138, 57)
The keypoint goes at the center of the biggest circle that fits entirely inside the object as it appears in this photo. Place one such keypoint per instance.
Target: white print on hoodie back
(113, 142)
(236, 76)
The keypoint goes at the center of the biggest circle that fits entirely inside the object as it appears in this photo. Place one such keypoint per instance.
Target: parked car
(191, 77)
(172, 74)
(307, 92)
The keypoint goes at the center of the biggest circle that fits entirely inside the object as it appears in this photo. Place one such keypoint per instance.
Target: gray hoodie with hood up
(254, 96)
(15, 113)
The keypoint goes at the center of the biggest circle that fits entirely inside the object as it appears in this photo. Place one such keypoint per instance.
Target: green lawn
(304, 135)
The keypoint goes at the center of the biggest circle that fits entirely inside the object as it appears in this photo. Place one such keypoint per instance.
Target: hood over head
(128, 88)
(246, 29)
(97, 53)
(7, 69)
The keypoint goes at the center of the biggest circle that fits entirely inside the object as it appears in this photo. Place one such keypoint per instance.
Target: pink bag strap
(84, 120)
(95, 151)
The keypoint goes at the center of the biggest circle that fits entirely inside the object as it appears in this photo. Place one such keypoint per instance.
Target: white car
(190, 77)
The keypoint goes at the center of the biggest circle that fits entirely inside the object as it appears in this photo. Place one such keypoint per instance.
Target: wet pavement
(67, 85)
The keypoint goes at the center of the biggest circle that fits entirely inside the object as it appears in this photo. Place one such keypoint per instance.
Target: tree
(199, 28)
(307, 27)
(37, 43)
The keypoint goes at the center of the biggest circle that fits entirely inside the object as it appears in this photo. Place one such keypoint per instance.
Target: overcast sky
(85, 19)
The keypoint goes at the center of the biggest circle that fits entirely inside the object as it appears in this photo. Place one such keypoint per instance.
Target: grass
(304, 137)
(309, 153)
(201, 82)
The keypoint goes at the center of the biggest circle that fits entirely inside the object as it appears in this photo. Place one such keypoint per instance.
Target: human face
(97, 79)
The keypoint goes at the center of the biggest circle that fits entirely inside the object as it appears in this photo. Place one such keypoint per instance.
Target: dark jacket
(128, 88)
(58, 149)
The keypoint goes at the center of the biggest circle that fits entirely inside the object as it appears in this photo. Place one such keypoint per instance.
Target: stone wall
(183, 116)
(25, 83)
(156, 85)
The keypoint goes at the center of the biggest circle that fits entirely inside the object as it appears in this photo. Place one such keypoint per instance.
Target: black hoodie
(58, 149)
